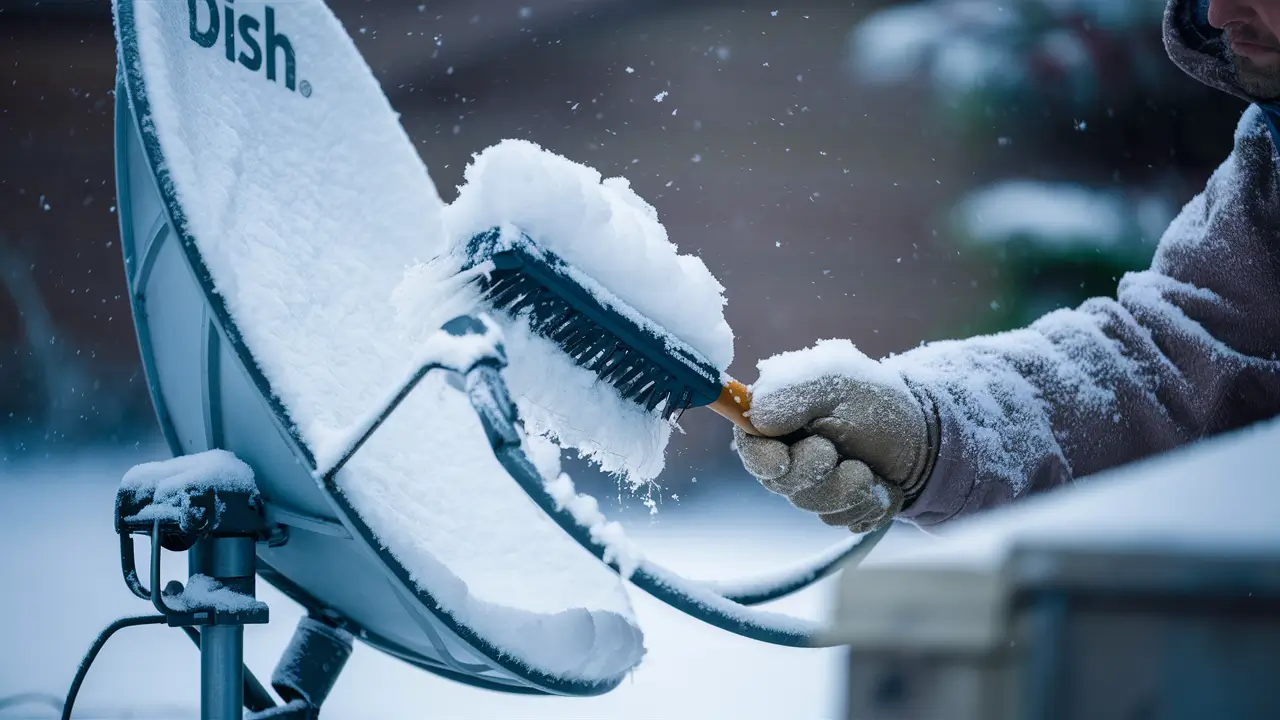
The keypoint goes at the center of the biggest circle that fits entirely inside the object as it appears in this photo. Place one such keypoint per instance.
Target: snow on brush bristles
(608, 233)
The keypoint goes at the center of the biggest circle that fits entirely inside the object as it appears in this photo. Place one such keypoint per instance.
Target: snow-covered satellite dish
(269, 204)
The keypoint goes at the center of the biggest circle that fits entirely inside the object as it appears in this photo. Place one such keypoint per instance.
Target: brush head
(595, 329)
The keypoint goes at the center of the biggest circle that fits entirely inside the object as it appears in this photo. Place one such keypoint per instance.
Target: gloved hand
(874, 442)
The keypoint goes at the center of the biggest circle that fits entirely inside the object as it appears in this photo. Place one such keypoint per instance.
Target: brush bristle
(644, 366)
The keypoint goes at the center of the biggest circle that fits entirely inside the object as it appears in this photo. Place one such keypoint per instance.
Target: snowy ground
(62, 584)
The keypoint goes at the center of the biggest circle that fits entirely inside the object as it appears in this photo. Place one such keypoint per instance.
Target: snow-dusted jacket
(1187, 348)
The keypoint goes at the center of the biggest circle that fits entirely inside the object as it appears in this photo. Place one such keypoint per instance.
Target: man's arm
(1186, 349)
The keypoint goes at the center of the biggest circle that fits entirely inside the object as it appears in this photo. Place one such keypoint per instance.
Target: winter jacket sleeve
(1187, 349)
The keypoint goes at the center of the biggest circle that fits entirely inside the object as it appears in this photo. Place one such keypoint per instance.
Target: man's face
(1252, 29)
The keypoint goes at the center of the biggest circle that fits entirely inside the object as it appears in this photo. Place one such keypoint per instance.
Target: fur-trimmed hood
(1200, 49)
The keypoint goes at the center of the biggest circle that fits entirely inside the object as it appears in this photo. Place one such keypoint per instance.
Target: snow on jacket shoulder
(1187, 348)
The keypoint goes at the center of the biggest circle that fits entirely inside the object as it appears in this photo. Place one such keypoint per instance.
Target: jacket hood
(1200, 49)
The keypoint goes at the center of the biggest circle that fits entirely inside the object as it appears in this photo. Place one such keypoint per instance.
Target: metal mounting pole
(229, 561)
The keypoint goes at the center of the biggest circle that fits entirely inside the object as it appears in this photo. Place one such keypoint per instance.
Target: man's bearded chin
(1260, 81)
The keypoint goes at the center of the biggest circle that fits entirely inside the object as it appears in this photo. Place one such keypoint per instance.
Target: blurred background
(890, 172)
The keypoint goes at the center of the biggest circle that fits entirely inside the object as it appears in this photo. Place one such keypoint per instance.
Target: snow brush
(599, 331)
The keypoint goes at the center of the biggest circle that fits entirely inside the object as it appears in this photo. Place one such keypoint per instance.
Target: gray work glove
(872, 447)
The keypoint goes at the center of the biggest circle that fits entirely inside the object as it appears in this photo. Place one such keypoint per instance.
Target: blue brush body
(596, 330)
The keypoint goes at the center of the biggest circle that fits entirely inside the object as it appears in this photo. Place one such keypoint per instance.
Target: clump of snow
(1053, 214)
(170, 483)
(602, 228)
(307, 210)
(545, 456)
(826, 358)
(562, 401)
(209, 470)
(619, 549)
(204, 592)
(461, 352)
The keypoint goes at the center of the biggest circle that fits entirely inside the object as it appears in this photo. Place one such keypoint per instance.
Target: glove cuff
(929, 455)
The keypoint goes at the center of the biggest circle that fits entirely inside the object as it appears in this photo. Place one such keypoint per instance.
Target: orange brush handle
(733, 403)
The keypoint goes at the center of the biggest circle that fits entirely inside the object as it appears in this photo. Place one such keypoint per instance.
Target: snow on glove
(873, 443)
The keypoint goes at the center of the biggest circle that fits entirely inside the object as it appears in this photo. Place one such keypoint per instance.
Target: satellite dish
(269, 203)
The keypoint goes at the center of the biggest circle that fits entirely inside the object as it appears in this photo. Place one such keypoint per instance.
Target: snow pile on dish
(601, 228)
